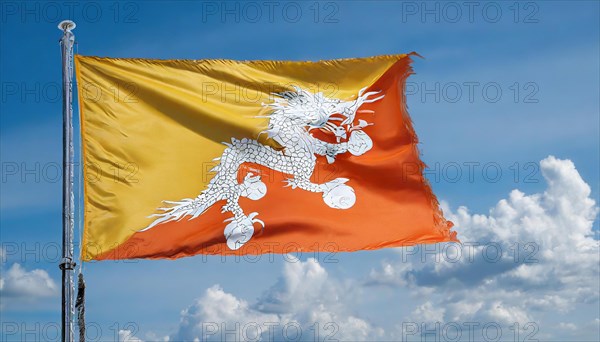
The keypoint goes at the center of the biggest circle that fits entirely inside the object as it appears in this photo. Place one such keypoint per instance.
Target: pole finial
(66, 25)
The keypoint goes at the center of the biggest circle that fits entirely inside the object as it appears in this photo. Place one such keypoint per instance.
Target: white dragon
(293, 115)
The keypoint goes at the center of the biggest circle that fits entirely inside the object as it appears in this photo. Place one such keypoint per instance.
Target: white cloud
(538, 254)
(19, 283)
(304, 301)
(428, 313)
(127, 336)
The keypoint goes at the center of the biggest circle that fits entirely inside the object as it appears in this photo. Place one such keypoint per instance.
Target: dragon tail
(194, 207)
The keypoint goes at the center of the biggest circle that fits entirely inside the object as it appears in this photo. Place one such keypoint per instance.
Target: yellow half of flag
(185, 157)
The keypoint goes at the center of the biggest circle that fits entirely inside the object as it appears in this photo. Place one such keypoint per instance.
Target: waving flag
(186, 157)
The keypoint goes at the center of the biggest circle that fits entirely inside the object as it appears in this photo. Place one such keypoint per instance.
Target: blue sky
(542, 56)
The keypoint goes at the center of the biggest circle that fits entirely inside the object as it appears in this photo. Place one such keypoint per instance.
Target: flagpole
(67, 263)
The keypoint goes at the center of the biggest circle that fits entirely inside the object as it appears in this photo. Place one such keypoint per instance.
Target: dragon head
(302, 109)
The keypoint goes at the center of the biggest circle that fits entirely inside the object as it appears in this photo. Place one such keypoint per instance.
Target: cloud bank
(305, 304)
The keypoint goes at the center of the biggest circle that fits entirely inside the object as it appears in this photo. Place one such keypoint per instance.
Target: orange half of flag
(186, 157)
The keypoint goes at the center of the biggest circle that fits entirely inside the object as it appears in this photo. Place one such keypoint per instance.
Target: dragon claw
(291, 182)
(239, 231)
(252, 187)
(338, 195)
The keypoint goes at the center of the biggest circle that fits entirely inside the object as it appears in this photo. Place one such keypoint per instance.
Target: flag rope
(80, 300)
(80, 306)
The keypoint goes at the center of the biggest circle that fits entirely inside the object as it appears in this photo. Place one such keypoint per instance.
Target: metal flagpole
(67, 264)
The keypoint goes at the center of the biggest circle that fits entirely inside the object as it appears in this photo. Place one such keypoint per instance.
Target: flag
(187, 157)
